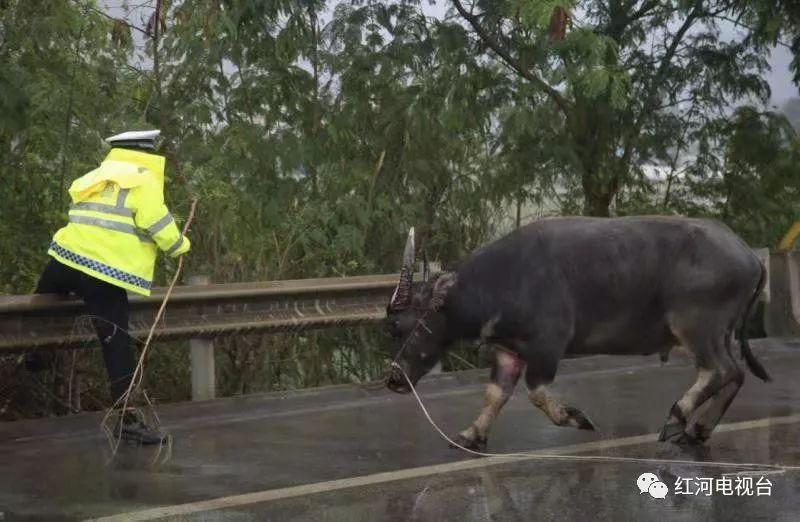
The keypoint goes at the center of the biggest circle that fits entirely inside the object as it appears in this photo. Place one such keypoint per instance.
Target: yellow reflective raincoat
(118, 221)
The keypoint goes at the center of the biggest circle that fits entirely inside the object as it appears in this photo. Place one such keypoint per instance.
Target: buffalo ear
(442, 283)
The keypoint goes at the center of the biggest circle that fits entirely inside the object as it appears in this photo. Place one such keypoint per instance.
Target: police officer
(117, 224)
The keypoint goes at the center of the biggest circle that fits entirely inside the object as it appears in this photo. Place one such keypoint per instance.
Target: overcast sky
(780, 79)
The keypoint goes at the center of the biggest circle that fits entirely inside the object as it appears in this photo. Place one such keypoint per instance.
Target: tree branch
(652, 87)
(106, 15)
(509, 60)
(737, 23)
(644, 10)
(670, 53)
(675, 102)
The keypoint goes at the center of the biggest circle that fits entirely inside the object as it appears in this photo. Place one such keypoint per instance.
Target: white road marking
(449, 467)
(758, 473)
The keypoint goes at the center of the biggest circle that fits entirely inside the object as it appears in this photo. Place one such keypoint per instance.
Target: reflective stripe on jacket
(118, 221)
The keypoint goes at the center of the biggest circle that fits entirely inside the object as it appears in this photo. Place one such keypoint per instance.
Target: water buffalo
(579, 286)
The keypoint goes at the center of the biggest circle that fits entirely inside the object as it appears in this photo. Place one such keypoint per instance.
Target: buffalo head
(416, 320)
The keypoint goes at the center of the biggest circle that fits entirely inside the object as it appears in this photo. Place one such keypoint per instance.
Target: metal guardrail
(46, 321)
(201, 312)
(206, 311)
(782, 310)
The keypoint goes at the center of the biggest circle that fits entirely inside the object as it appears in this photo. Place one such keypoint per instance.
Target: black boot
(135, 429)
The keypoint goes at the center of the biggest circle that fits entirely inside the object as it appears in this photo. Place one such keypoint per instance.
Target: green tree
(621, 79)
(64, 85)
(771, 21)
(313, 145)
(747, 174)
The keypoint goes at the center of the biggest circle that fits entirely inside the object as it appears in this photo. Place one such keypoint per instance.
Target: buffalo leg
(708, 382)
(706, 341)
(559, 413)
(505, 373)
(707, 417)
(537, 378)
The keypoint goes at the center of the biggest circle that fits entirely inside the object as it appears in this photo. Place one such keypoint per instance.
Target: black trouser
(108, 306)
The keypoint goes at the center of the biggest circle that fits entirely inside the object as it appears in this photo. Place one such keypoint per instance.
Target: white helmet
(135, 140)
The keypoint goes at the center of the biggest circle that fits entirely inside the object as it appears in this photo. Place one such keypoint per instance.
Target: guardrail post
(202, 359)
(433, 266)
(763, 256)
(782, 310)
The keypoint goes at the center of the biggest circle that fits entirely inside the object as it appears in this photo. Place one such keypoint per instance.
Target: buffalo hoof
(578, 419)
(671, 431)
(694, 437)
(701, 433)
(687, 440)
(478, 444)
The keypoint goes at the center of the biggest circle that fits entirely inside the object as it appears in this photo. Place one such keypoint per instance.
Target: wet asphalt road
(350, 454)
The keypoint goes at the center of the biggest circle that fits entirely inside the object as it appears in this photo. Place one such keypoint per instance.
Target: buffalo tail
(753, 363)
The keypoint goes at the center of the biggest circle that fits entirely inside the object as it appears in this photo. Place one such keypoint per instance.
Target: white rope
(580, 458)
(138, 374)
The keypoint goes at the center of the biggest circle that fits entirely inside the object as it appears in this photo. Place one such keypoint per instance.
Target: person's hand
(185, 246)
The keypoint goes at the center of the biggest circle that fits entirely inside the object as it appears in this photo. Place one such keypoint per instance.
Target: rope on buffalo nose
(579, 458)
(387, 373)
